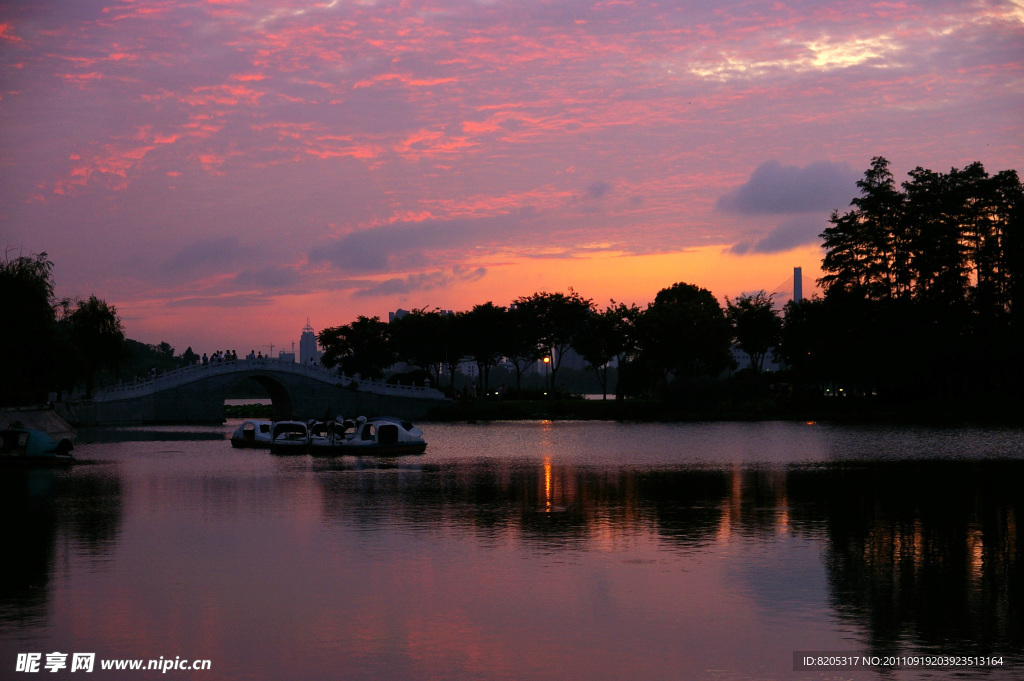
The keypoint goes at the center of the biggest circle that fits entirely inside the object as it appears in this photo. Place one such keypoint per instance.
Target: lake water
(524, 551)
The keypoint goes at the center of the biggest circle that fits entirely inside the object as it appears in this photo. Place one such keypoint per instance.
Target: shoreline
(851, 412)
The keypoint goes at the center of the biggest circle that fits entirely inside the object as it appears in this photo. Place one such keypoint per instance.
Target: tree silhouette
(521, 346)
(420, 338)
(600, 340)
(363, 347)
(555, 320)
(97, 336)
(756, 325)
(684, 332)
(867, 249)
(484, 330)
(921, 286)
(27, 342)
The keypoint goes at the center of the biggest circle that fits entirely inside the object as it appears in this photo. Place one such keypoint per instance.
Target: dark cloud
(775, 189)
(204, 255)
(423, 281)
(229, 301)
(788, 235)
(378, 249)
(598, 190)
(267, 278)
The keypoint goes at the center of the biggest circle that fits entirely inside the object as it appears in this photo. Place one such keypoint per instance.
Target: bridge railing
(189, 374)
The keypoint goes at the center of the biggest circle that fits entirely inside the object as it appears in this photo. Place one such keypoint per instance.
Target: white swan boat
(252, 433)
(379, 436)
(289, 437)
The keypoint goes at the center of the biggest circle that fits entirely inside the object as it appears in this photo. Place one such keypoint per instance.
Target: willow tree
(97, 337)
(27, 343)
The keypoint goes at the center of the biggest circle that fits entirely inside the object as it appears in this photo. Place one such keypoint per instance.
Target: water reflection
(683, 506)
(921, 552)
(552, 558)
(190, 433)
(46, 514)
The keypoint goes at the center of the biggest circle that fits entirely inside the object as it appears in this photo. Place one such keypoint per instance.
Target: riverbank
(992, 411)
(249, 411)
(37, 418)
(844, 410)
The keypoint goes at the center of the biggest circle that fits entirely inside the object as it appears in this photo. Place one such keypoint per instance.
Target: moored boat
(379, 436)
(289, 437)
(252, 433)
(34, 447)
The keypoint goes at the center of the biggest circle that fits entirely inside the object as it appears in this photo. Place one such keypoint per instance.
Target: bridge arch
(196, 394)
(280, 399)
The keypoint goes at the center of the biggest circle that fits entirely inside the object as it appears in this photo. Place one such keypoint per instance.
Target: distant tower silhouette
(798, 284)
(307, 345)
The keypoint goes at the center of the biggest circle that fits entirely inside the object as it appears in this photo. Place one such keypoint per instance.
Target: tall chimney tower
(798, 285)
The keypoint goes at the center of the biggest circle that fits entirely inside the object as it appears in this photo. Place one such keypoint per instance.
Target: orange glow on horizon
(237, 321)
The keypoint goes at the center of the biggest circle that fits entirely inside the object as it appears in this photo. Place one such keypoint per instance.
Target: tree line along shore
(920, 317)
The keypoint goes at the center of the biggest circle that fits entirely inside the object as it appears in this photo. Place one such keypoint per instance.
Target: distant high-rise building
(798, 284)
(397, 314)
(308, 349)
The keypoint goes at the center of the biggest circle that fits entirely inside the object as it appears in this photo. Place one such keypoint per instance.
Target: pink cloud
(224, 95)
(317, 120)
(81, 78)
(7, 32)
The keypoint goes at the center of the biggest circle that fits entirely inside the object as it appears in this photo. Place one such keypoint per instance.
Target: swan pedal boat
(289, 437)
(379, 436)
(252, 433)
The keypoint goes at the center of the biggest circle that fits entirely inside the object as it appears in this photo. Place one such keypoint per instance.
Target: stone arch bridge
(196, 394)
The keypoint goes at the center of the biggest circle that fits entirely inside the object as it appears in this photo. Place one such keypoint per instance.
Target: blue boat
(33, 447)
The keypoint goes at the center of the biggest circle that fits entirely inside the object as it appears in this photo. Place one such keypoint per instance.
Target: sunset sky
(220, 170)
